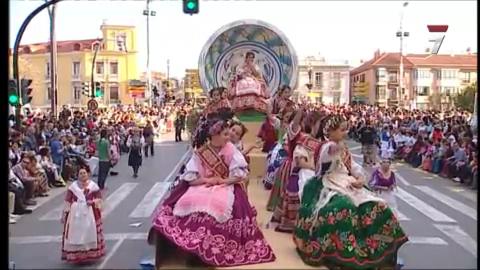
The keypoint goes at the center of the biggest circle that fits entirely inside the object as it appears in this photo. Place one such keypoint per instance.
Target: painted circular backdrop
(226, 49)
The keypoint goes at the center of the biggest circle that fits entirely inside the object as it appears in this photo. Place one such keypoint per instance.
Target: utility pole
(16, 47)
(147, 12)
(53, 61)
(401, 34)
(92, 90)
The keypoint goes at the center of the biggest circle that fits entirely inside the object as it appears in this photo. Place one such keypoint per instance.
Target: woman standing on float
(340, 223)
(303, 152)
(208, 214)
(82, 231)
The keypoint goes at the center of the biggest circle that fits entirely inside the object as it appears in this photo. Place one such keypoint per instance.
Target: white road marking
(402, 216)
(114, 199)
(150, 201)
(459, 236)
(55, 213)
(355, 148)
(179, 164)
(52, 194)
(469, 194)
(109, 204)
(422, 207)
(400, 178)
(420, 240)
(58, 238)
(454, 204)
(111, 252)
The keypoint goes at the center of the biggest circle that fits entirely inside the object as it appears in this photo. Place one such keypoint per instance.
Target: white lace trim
(221, 218)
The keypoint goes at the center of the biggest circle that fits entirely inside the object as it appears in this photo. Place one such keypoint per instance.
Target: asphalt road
(440, 217)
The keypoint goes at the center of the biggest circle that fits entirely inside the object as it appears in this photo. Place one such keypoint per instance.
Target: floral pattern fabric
(344, 235)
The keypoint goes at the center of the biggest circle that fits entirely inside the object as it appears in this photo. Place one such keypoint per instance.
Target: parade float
(252, 59)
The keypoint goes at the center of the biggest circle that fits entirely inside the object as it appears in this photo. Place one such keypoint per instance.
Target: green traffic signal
(13, 99)
(191, 5)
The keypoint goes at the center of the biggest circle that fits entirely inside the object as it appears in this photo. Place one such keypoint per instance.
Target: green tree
(466, 98)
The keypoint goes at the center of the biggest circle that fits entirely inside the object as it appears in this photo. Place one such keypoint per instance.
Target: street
(439, 216)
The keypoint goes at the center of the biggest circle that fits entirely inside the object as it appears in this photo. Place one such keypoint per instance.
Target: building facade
(191, 84)
(324, 82)
(115, 65)
(429, 81)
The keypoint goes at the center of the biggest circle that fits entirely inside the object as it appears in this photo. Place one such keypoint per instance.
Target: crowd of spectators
(442, 143)
(45, 152)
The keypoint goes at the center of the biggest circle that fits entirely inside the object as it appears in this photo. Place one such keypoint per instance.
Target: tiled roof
(418, 60)
(444, 60)
(62, 46)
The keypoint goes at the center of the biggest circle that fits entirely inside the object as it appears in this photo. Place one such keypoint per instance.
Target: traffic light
(26, 91)
(86, 89)
(12, 93)
(98, 90)
(190, 6)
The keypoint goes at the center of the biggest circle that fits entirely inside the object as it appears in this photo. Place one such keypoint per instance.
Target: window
(362, 78)
(121, 39)
(393, 77)
(49, 93)
(422, 74)
(336, 98)
(423, 90)
(381, 74)
(449, 74)
(380, 92)
(113, 68)
(318, 79)
(100, 68)
(114, 95)
(337, 83)
(77, 93)
(448, 91)
(465, 77)
(76, 70)
(47, 70)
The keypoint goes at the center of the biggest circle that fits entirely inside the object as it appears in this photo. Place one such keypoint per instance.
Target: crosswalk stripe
(459, 236)
(401, 216)
(150, 201)
(58, 238)
(109, 204)
(116, 197)
(469, 194)
(422, 207)
(415, 240)
(420, 240)
(456, 205)
(399, 177)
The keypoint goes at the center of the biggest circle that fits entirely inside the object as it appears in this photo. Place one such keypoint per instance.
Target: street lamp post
(401, 35)
(147, 12)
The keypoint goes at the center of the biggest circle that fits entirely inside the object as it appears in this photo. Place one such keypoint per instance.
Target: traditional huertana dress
(217, 224)
(286, 210)
(283, 172)
(341, 226)
(82, 232)
(276, 156)
(384, 187)
(216, 107)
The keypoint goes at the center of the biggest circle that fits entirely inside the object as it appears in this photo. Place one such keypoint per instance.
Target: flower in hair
(216, 128)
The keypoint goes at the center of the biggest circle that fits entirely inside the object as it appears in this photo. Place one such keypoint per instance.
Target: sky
(336, 30)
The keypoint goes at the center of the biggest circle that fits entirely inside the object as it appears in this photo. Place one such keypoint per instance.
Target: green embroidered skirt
(344, 235)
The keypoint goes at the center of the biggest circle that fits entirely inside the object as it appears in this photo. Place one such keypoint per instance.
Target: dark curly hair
(202, 134)
(213, 90)
(241, 125)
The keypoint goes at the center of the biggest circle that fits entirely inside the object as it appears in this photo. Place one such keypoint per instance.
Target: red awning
(437, 28)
